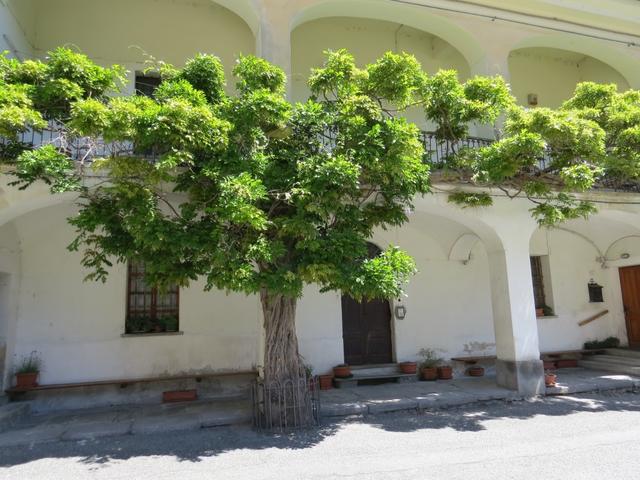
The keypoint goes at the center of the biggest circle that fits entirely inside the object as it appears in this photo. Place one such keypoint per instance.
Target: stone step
(631, 361)
(610, 367)
(380, 369)
(623, 352)
(354, 381)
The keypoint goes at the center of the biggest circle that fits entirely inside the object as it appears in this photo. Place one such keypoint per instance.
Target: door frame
(624, 313)
(392, 329)
(392, 319)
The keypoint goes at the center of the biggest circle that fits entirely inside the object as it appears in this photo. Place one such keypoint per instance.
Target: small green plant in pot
(28, 370)
(429, 364)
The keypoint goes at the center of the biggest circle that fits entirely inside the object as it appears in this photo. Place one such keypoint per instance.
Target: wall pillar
(518, 366)
(273, 42)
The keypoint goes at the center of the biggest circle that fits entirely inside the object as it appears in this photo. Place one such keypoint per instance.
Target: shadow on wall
(194, 446)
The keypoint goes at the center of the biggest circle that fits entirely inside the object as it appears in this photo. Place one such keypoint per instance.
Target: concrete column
(518, 366)
(273, 42)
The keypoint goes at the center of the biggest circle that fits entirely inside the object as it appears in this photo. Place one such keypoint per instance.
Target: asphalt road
(584, 437)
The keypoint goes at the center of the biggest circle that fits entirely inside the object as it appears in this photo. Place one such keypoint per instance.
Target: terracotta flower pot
(408, 367)
(550, 379)
(179, 396)
(567, 363)
(539, 312)
(429, 373)
(475, 371)
(27, 380)
(326, 382)
(445, 372)
(342, 371)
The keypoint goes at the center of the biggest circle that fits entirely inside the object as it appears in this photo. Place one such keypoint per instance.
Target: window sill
(151, 334)
(547, 316)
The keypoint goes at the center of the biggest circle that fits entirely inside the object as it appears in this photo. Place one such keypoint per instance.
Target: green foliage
(242, 190)
(255, 74)
(550, 154)
(48, 165)
(470, 200)
(206, 73)
(453, 106)
(609, 342)
(429, 358)
(31, 363)
(254, 193)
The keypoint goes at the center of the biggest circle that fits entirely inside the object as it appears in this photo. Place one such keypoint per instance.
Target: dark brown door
(366, 331)
(630, 282)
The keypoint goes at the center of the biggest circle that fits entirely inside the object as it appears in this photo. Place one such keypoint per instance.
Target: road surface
(590, 436)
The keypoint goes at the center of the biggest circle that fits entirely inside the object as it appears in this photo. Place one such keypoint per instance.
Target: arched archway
(368, 30)
(546, 77)
(572, 256)
(169, 30)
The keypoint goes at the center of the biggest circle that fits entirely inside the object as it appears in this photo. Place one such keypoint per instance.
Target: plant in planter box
(342, 371)
(550, 379)
(27, 371)
(445, 372)
(408, 367)
(169, 323)
(138, 325)
(326, 382)
(429, 363)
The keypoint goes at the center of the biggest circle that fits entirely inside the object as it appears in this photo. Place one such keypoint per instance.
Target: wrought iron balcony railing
(438, 152)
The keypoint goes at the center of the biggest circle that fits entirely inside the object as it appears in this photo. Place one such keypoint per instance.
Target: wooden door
(630, 283)
(366, 331)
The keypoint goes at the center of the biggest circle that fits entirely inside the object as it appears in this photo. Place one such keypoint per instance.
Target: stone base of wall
(209, 388)
(524, 377)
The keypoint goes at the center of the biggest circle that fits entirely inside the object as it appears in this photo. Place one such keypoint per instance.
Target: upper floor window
(149, 309)
(146, 84)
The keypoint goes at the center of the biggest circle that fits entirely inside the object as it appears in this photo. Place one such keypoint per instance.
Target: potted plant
(326, 382)
(429, 364)
(308, 373)
(475, 371)
(550, 379)
(445, 372)
(342, 371)
(170, 323)
(408, 367)
(28, 370)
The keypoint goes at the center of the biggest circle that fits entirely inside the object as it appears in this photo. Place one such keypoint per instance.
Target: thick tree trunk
(281, 357)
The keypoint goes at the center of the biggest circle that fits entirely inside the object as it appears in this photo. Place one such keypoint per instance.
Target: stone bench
(15, 392)
(472, 360)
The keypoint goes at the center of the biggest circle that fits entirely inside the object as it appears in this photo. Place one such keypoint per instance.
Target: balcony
(438, 152)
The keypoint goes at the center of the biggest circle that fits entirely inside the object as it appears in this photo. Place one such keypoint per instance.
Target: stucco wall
(17, 23)
(573, 263)
(368, 40)
(9, 286)
(77, 326)
(172, 31)
(553, 74)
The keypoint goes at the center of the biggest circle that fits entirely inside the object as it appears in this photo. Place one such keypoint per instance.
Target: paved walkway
(90, 424)
(366, 400)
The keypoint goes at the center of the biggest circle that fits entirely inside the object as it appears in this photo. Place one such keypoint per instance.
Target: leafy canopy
(255, 193)
(247, 190)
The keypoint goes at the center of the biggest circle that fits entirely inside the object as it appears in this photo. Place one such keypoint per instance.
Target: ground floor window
(539, 266)
(149, 309)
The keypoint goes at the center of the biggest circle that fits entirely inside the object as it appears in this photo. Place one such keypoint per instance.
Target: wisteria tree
(260, 195)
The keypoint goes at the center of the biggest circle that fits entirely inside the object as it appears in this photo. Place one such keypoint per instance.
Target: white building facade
(475, 292)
